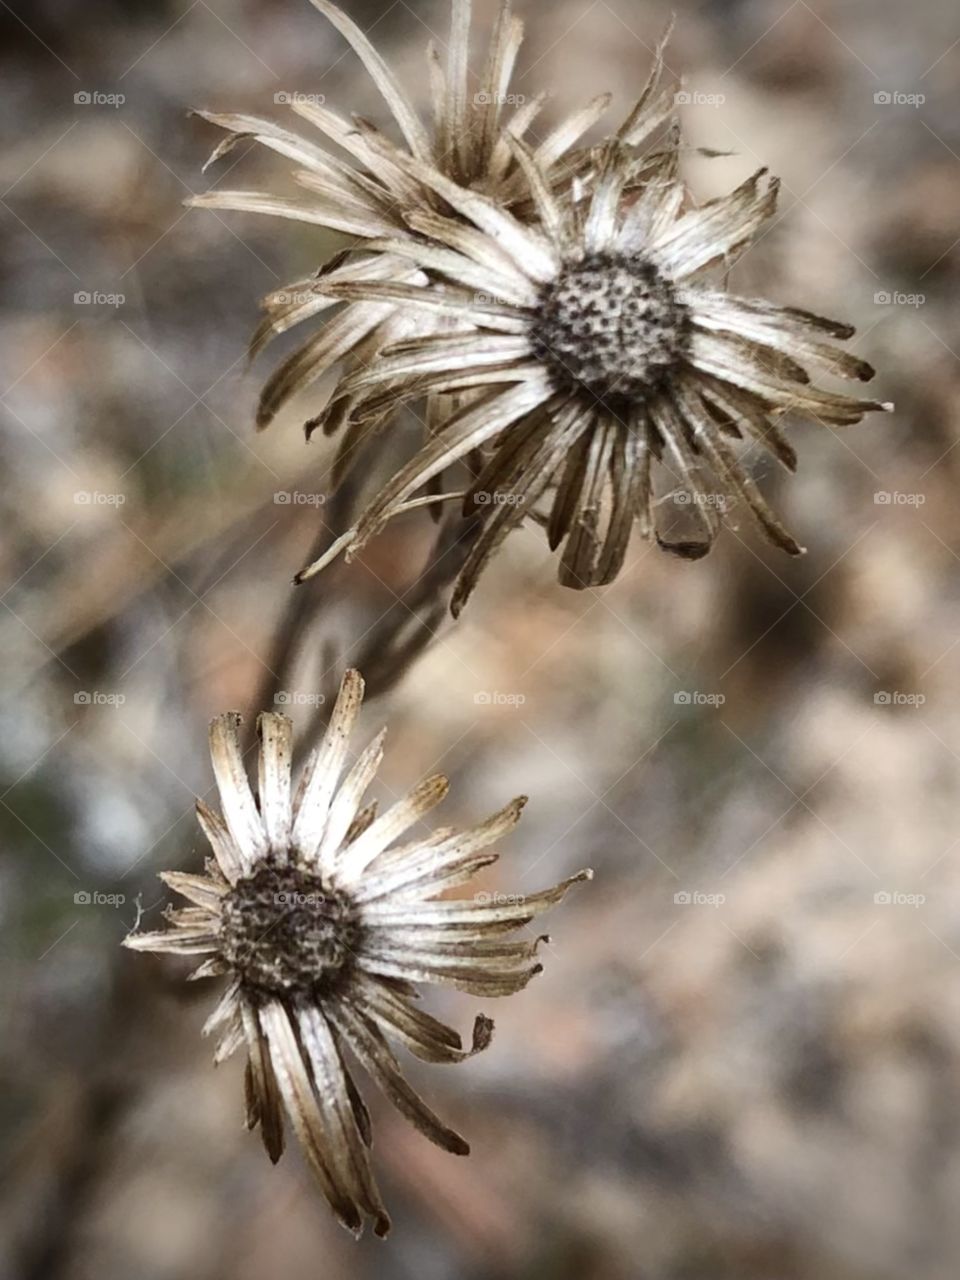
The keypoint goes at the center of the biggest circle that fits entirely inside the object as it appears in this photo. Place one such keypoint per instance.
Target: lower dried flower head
(324, 926)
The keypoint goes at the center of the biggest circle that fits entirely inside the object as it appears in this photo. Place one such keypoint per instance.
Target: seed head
(611, 324)
(284, 932)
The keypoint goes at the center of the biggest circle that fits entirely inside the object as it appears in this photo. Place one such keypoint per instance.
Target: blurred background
(743, 1057)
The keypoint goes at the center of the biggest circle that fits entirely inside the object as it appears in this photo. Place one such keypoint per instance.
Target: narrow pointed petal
(366, 225)
(296, 1089)
(465, 431)
(734, 474)
(719, 229)
(425, 1037)
(382, 1067)
(458, 50)
(578, 564)
(396, 99)
(183, 942)
(558, 142)
(199, 889)
(312, 360)
(276, 747)
(322, 771)
(521, 908)
(236, 798)
(347, 802)
(504, 48)
(389, 826)
(348, 1154)
(225, 848)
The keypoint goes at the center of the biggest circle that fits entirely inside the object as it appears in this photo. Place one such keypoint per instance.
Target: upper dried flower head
(552, 304)
(360, 186)
(595, 343)
(325, 925)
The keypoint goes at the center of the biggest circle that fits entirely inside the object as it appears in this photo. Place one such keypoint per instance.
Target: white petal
(319, 779)
(276, 745)
(364, 225)
(398, 102)
(236, 798)
(388, 827)
(718, 229)
(225, 848)
(348, 800)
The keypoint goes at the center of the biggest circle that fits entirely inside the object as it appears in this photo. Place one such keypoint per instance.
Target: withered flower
(324, 926)
(593, 343)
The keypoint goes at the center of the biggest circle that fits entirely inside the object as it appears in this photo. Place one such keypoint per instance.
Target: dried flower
(376, 196)
(599, 347)
(324, 926)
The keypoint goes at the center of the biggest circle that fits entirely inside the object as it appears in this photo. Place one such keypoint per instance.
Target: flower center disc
(284, 932)
(611, 324)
